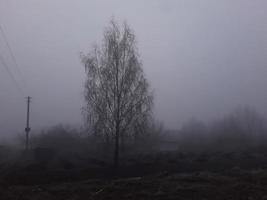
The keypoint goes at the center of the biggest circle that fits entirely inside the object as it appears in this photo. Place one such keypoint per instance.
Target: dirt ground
(202, 185)
(201, 177)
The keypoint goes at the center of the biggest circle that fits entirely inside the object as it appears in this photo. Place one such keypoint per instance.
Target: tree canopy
(117, 94)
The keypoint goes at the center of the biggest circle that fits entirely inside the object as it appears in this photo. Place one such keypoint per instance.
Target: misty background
(202, 58)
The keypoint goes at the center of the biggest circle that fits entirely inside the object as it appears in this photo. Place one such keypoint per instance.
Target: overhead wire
(11, 75)
(12, 56)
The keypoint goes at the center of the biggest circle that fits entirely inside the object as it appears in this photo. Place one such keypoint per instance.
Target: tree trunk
(116, 152)
(117, 131)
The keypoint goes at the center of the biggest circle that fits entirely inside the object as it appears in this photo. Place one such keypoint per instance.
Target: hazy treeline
(242, 129)
(66, 141)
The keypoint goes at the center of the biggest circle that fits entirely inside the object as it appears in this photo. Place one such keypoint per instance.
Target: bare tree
(118, 99)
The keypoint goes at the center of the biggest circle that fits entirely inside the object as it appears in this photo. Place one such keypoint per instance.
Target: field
(168, 175)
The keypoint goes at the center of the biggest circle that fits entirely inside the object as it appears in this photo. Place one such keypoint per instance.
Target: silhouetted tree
(118, 100)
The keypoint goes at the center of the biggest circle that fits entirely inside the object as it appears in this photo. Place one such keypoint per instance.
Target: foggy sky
(202, 58)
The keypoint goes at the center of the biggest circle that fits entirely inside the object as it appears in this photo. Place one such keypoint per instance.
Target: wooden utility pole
(27, 129)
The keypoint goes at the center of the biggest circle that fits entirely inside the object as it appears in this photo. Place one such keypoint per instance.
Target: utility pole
(27, 129)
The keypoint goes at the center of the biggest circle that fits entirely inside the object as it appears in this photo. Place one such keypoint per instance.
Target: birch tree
(117, 94)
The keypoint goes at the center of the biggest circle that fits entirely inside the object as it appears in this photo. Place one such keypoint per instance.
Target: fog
(202, 58)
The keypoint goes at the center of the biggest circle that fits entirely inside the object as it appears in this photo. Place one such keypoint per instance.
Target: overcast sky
(202, 58)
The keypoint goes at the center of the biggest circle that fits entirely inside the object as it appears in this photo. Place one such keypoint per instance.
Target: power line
(12, 55)
(11, 75)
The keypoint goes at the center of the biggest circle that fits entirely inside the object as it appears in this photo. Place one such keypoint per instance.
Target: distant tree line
(242, 129)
